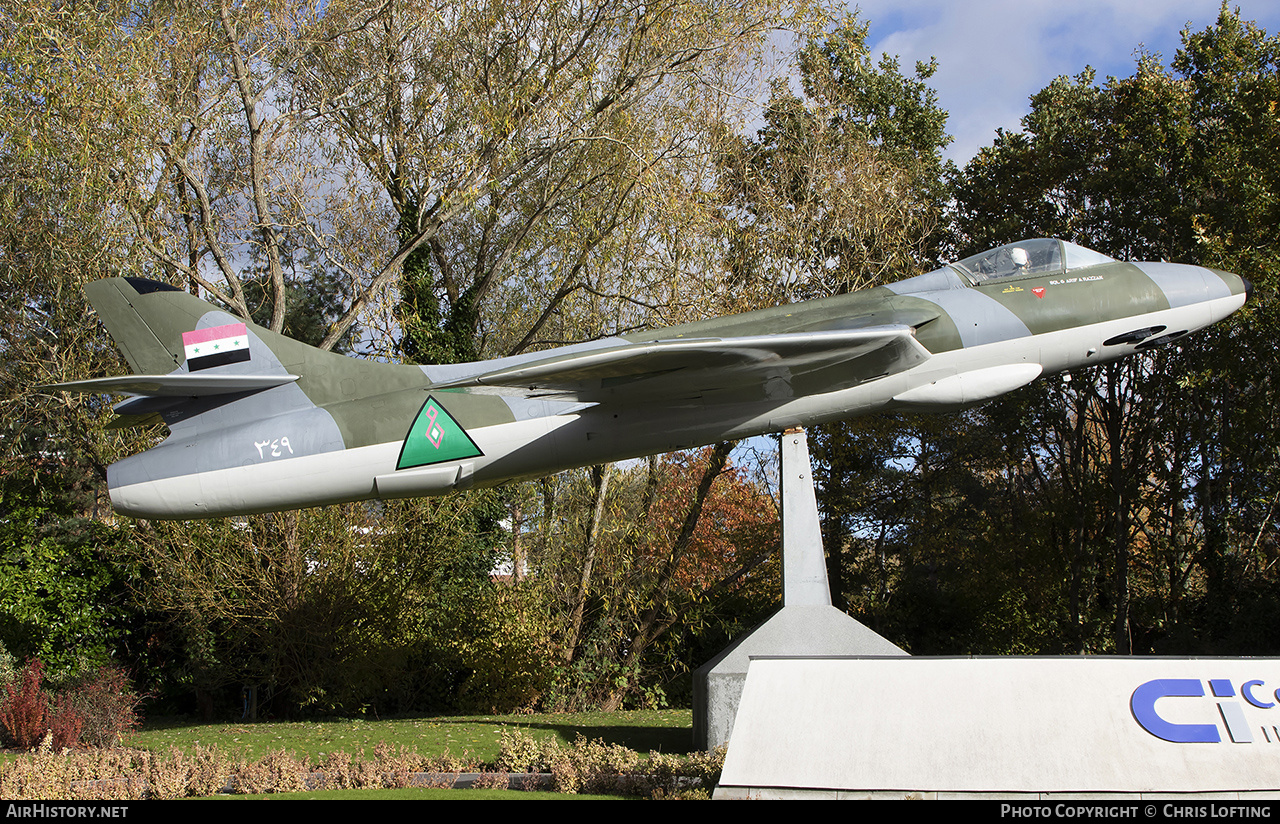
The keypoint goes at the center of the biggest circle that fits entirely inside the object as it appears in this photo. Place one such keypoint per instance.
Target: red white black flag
(216, 346)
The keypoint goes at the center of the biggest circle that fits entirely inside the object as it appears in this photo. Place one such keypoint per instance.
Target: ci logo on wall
(1239, 711)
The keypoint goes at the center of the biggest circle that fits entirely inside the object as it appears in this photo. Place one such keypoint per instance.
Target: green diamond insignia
(435, 437)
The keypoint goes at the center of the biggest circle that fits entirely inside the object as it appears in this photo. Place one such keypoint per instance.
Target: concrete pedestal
(814, 705)
(806, 625)
(1053, 733)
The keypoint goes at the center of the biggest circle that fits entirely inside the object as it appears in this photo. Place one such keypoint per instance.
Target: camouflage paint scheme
(293, 426)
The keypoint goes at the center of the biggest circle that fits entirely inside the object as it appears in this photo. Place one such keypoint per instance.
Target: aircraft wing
(694, 367)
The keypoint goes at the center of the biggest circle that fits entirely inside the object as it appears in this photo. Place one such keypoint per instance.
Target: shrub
(447, 762)
(519, 752)
(684, 777)
(277, 772)
(95, 708)
(492, 781)
(107, 703)
(338, 771)
(65, 723)
(597, 767)
(24, 709)
(395, 766)
(584, 766)
(197, 772)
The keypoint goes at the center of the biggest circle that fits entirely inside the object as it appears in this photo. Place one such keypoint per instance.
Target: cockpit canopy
(1040, 256)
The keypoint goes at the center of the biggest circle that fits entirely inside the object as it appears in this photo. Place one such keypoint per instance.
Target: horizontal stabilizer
(175, 385)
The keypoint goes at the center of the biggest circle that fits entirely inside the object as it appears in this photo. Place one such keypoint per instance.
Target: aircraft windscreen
(1042, 256)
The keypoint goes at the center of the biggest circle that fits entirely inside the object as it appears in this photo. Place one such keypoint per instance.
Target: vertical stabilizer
(147, 341)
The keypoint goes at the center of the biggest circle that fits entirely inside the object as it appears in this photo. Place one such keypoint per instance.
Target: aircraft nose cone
(1185, 284)
(1237, 284)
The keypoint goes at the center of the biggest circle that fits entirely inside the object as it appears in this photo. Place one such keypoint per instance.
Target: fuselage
(347, 429)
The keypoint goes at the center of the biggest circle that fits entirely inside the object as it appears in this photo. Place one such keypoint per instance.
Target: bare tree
(424, 158)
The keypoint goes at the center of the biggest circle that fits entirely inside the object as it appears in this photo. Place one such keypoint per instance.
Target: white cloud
(994, 54)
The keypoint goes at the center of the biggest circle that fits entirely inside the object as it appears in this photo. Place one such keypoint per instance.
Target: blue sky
(994, 54)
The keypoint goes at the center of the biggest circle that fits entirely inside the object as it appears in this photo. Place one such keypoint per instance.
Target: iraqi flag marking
(216, 346)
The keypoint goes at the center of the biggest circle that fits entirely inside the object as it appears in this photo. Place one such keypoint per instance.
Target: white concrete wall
(1006, 725)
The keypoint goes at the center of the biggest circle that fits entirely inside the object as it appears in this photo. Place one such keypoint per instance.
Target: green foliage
(64, 585)
(874, 103)
(685, 545)
(848, 187)
(918, 537)
(1129, 508)
(843, 186)
(225, 151)
(434, 328)
(1160, 165)
(1103, 166)
(348, 609)
(481, 645)
(396, 606)
(64, 589)
(1142, 491)
(314, 298)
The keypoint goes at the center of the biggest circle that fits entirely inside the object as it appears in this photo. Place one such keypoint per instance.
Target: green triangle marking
(435, 437)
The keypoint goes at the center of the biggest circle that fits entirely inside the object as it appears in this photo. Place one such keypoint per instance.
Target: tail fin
(150, 340)
(160, 329)
(181, 347)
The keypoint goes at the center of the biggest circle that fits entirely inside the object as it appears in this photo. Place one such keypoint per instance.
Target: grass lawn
(472, 740)
(425, 794)
(469, 737)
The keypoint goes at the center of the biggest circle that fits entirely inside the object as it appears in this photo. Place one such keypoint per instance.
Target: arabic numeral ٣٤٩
(277, 447)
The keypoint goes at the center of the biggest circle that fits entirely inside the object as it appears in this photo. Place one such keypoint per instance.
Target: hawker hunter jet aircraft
(258, 422)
